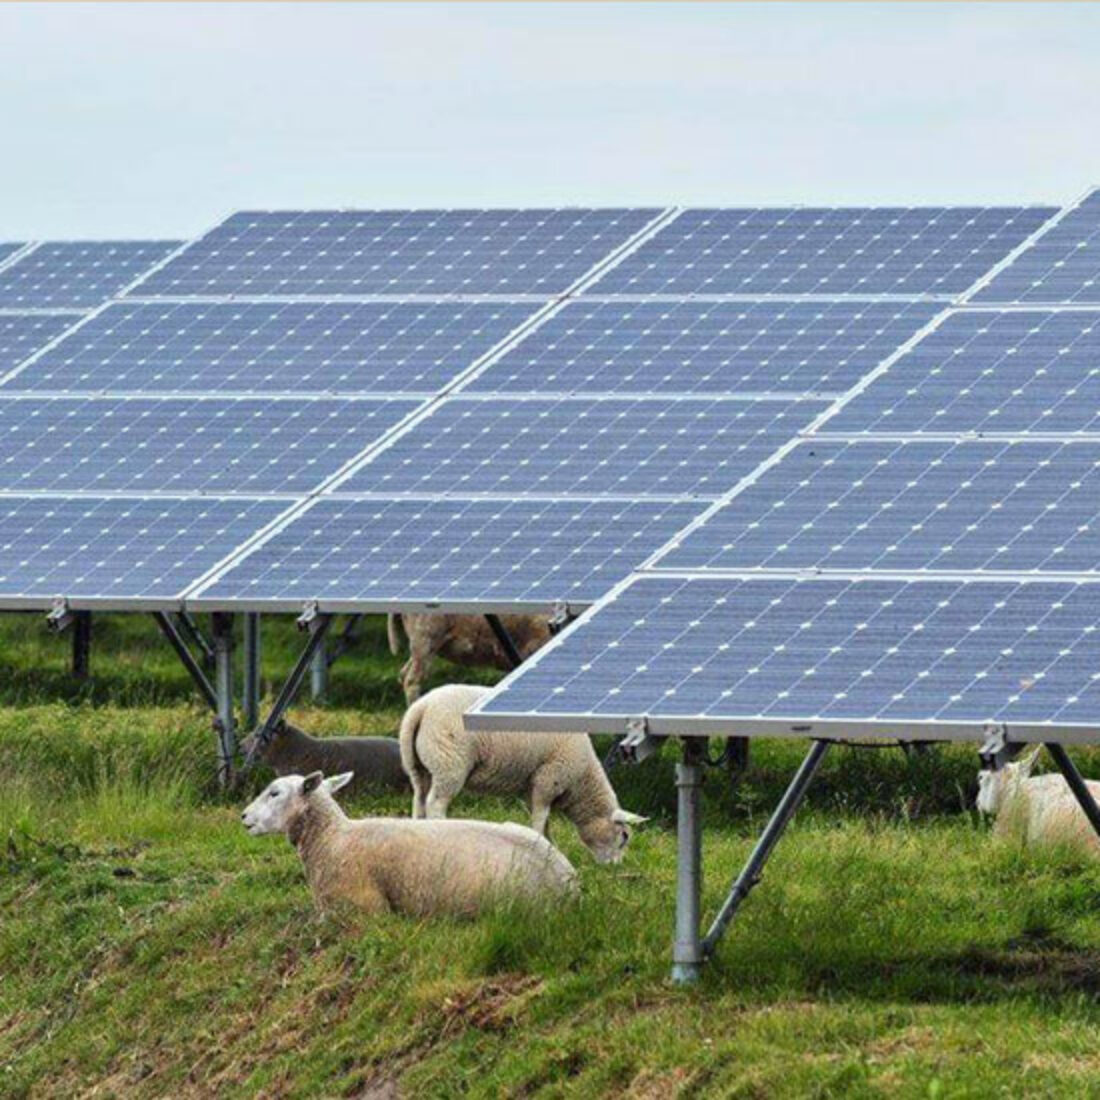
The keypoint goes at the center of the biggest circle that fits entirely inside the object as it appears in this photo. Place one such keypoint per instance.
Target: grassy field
(150, 948)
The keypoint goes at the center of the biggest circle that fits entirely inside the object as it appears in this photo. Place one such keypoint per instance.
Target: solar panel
(571, 446)
(247, 445)
(347, 553)
(398, 252)
(9, 249)
(212, 347)
(784, 656)
(910, 506)
(77, 274)
(1062, 265)
(868, 251)
(1011, 371)
(690, 347)
(117, 549)
(22, 334)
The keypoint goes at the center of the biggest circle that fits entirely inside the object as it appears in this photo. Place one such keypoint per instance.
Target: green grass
(149, 948)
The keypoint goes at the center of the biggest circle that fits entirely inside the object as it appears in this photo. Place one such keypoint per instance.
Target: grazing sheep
(420, 868)
(375, 761)
(464, 639)
(553, 771)
(1040, 809)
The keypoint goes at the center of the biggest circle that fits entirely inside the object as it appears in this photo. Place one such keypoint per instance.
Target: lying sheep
(1037, 809)
(420, 868)
(553, 771)
(375, 761)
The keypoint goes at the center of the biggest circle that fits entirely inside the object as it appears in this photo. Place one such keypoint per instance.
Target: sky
(156, 120)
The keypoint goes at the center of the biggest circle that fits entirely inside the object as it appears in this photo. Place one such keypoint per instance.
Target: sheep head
(995, 787)
(282, 801)
(606, 837)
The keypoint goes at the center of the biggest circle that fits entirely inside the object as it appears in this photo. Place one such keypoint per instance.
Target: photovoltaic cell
(181, 445)
(452, 550)
(9, 248)
(734, 651)
(398, 252)
(117, 547)
(1062, 265)
(22, 334)
(273, 347)
(906, 251)
(705, 347)
(909, 506)
(77, 274)
(663, 446)
(989, 372)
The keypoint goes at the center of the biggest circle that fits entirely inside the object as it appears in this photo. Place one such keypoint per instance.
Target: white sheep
(560, 771)
(1038, 809)
(419, 868)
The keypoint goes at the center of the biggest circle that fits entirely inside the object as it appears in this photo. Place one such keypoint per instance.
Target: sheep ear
(625, 817)
(312, 782)
(335, 782)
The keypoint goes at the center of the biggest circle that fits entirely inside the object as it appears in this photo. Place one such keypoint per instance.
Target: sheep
(417, 868)
(561, 771)
(464, 639)
(375, 761)
(1038, 809)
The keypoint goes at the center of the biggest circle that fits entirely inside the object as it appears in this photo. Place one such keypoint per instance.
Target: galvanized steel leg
(318, 674)
(187, 658)
(189, 629)
(687, 952)
(780, 819)
(1076, 783)
(250, 707)
(224, 722)
(82, 644)
(504, 640)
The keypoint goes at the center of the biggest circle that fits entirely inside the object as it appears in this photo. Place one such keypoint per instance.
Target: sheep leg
(441, 795)
(543, 792)
(420, 808)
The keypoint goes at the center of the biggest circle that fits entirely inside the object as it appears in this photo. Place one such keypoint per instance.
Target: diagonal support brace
(504, 640)
(317, 625)
(1076, 783)
(175, 640)
(780, 819)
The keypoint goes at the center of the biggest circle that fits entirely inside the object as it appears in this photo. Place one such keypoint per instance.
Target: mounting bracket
(60, 617)
(997, 750)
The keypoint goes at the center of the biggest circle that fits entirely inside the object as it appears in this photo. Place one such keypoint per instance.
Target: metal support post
(1076, 783)
(687, 952)
(318, 674)
(190, 630)
(82, 644)
(250, 703)
(346, 641)
(168, 629)
(317, 625)
(504, 639)
(780, 819)
(224, 722)
(737, 757)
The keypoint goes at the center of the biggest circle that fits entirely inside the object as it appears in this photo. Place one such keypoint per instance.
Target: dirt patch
(489, 1006)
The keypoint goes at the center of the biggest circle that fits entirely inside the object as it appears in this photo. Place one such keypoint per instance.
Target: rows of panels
(866, 251)
(213, 347)
(90, 549)
(357, 554)
(398, 252)
(698, 653)
(1062, 266)
(571, 446)
(690, 347)
(910, 506)
(77, 274)
(1012, 371)
(185, 445)
(23, 334)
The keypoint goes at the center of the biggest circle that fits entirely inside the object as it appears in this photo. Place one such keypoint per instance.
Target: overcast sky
(137, 120)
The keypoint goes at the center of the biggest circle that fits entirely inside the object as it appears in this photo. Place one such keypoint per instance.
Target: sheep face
(995, 787)
(265, 751)
(283, 800)
(607, 837)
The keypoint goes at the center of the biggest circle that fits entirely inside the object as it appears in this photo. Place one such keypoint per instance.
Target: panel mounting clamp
(61, 616)
(639, 744)
(997, 750)
(560, 617)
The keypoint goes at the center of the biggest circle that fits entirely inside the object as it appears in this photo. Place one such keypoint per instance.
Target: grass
(149, 948)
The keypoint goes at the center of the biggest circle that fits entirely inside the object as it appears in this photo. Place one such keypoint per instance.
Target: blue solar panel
(77, 274)
(182, 445)
(562, 447)
(730, 651)
(118, 548)
(9, 249)
(452, 551)
(22, 334)
(933, 250)
(1062, 265)
(705, 347)
(398, 252)
(909, 506)
(273, 347)
(989, 372)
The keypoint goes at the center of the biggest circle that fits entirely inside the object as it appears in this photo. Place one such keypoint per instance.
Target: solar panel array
(923, 562)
